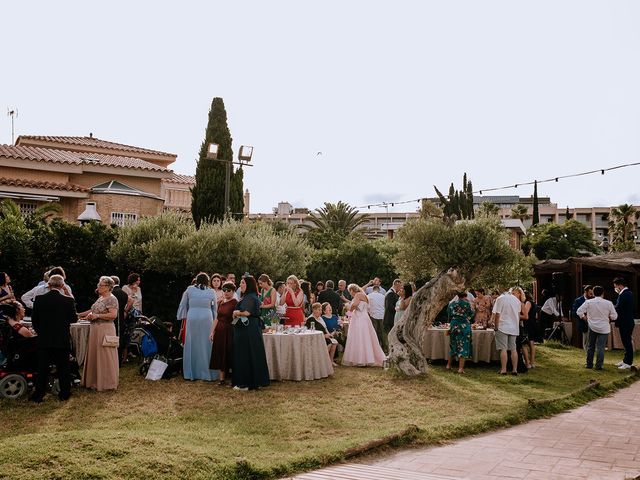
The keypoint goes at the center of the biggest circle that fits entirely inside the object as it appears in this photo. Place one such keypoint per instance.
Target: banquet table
(80, 338)
(297, 356)
(435, 345)
(613, 341)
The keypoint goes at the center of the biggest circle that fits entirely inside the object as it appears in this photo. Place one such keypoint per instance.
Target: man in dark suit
(581, 322)
(390, 300)
(124, 305)
(625, 321)
(331, 296)
(52, 314)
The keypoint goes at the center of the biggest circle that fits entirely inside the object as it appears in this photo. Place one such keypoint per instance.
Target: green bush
(356, 260)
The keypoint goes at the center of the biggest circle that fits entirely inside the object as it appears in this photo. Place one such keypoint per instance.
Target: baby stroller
(18, 372)
(153, 339)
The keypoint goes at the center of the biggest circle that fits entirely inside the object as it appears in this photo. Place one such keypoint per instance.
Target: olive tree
(452, 255)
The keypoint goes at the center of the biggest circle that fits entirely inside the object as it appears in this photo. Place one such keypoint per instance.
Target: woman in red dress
(293, 298)
(222, 333)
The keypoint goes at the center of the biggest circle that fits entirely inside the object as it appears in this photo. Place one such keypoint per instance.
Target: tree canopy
(458, 203)
(332, 223)
(550, 240)
(623, 225)
(207, 196)
(479, 249)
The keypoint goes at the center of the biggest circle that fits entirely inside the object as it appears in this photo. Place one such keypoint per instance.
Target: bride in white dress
(362, 348)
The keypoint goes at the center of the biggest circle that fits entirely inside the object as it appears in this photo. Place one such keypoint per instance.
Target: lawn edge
(413, 436)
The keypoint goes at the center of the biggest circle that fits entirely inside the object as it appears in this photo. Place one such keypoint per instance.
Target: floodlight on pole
(212, 151)
(245, 154)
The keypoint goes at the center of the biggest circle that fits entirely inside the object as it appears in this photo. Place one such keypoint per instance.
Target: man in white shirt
(40, 289)
(368, 288)
(376, 313)
(506, 318)
(550, 311)
(598, 313)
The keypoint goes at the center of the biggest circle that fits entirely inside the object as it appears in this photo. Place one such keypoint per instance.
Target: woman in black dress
(250, 369)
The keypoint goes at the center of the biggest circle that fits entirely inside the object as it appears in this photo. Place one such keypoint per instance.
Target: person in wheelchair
(18, 342)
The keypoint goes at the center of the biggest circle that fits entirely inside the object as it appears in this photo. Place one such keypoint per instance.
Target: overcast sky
(397, 95)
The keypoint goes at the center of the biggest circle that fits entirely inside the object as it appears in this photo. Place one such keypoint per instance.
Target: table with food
(295, 353)
(435, 344)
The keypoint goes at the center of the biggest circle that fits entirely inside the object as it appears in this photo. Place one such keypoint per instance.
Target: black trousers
(626, 331)
(59, 357)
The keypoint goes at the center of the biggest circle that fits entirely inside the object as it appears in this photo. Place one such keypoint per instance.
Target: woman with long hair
(199, 306)
(403, 302)
(293, 298)
(216, 285)
(362, 348)
(250, 370)
(528, 315)
(268, 297)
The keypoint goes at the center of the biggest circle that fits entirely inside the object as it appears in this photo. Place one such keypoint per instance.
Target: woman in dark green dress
(460, 315)
(250, 370)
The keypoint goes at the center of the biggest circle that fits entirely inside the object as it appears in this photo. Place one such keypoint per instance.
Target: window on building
(27, 208)
(121, 219)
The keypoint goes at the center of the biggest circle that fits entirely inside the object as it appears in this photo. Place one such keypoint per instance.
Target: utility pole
(13, 113)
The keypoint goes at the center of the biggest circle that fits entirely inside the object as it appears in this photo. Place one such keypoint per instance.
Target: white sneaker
(624, 366)
(619, 364)
(243, 389)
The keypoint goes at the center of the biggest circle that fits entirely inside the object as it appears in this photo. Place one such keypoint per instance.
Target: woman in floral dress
(460, 315)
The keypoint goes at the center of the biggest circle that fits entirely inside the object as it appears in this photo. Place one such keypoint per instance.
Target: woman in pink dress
(362, 348)
(293, 298)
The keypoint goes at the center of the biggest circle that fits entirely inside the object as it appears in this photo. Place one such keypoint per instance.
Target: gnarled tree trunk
(405, 338)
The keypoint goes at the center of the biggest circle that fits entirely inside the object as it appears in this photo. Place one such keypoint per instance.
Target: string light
(495, 189)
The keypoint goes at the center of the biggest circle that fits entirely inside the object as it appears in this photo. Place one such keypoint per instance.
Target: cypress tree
(536, 213)
(236, 194)
(567, 215)
(472, 214)
(207, 196)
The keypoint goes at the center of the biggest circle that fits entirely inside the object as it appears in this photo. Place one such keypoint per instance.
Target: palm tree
(520, 212)
(9, 208)
(339, 218)
(622, 228)
(488, 209)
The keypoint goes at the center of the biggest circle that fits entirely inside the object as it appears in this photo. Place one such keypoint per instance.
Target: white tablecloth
(302, 356)
(80, 338)
(435, 345)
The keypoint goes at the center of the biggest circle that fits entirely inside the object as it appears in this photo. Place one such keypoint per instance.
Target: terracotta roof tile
(70, 187)
(180, 178)
(92, 142)
(76, 158)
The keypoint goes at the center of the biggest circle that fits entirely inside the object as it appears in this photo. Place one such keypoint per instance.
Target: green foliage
(355, 260)
(29, 245)
(332, 223)
(168, 251)
(550, 240)
(458, 203)
(535, 218)
(428, 210)
(207, 202)
(487, 210)
(520, 212)
(475, 247)
(623, 226)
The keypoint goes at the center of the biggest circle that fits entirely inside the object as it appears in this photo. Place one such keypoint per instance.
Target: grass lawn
(179, 429)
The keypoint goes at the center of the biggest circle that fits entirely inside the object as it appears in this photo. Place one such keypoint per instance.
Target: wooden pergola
(580, 271)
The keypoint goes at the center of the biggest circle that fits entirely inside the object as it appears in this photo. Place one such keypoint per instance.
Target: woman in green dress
(460, 315)
(267, 299)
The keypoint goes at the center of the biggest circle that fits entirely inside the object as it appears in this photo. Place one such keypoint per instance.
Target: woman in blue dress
(250, 370)
(199, 307)
(460, 315)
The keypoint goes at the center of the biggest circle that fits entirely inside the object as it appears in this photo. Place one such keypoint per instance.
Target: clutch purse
(111, 341)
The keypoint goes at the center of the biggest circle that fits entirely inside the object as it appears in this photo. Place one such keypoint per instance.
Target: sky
(398, 96)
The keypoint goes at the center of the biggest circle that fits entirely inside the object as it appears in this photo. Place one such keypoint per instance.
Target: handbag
(112, 341)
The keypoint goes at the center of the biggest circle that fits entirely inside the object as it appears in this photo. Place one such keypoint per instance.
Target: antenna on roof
(13, 113)
(90, 134)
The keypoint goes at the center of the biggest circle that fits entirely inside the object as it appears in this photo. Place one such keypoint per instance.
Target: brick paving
(600, 440)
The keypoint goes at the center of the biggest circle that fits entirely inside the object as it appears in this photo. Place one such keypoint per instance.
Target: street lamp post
(244, 159)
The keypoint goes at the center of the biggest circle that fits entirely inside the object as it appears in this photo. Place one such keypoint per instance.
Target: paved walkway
(600, 440)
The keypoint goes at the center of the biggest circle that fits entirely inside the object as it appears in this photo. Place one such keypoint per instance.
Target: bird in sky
(319, 153)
